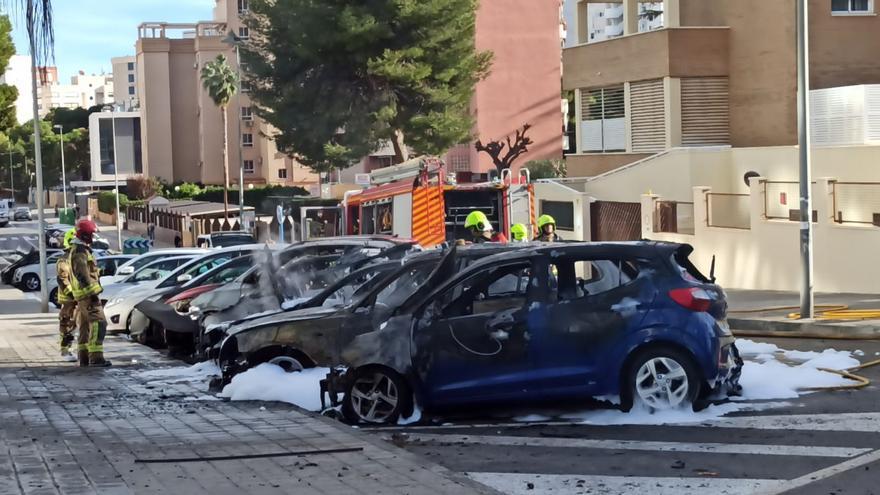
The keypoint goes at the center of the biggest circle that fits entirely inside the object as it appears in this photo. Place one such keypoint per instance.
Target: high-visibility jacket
(85, 274)
(62, 268)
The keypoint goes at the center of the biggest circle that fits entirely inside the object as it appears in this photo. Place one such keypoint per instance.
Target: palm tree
(221, 83)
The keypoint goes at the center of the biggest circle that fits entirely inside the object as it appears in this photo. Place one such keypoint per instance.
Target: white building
(18, 74)
(83, 91)
(591, 22)
(121, 130)
(125, 81)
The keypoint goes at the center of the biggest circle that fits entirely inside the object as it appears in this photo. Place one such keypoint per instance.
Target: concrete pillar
(578, 117)
(671, 14)
(756, 202)
(823, 200)
(672, 110)
(582, 21)
(701, 214)
(648, 212)
(627, 117)
(630, 17)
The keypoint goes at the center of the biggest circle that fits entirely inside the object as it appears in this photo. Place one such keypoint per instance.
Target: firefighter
(547, 229)
(66, 322)
(85, 286)
(481, 229)
(519, 233)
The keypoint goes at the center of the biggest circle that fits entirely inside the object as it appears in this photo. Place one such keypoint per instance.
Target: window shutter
(705, 115)
(647, 121)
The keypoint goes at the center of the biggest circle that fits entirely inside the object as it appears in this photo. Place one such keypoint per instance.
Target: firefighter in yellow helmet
(66, 322)
(519, 233)
(481, 230)
(547, 229)
(85, 287)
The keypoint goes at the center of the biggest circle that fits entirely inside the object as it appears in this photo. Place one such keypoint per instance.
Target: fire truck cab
(419, 200)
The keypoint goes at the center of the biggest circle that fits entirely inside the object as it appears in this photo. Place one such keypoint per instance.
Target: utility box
(67, 216)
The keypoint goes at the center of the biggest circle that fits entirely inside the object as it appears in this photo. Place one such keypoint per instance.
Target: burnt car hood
(168, 317)
(277, 318)
(221, 298)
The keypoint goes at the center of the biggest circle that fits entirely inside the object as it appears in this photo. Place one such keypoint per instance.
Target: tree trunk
(225, 164)
(401, 154)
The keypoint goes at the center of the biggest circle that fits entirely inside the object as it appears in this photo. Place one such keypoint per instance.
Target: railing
(728, 210)
(674, 217)
(856, 202)
(782, 200)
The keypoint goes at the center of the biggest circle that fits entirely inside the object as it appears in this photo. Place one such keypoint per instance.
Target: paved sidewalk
(111, 431)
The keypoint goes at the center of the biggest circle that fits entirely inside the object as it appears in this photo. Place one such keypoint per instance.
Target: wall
(589, 165)
(524, 83)
(843, 49)
(552, 191)
(154, 87)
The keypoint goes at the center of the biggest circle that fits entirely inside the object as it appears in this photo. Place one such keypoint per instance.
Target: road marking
(868, 422)
(584, 443)
(822, 474)
(561, 484)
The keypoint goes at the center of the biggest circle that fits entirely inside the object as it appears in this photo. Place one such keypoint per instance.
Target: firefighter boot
(83, 357)
(96, 360)
(66, 341)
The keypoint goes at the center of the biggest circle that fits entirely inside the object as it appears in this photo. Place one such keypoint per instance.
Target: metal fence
(728, 210)
(675, 217)
(782, 200)
(856, 202)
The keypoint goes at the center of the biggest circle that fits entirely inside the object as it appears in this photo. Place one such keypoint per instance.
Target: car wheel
(287, 363)
(662, 379)
(376, 396)
(31, 282)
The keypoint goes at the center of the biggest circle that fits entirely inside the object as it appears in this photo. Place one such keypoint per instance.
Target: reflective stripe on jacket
(85, 274)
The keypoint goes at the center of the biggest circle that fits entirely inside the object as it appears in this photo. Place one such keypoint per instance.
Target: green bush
(107, 201)
(257, 197)
(546, 169)
(183, 190)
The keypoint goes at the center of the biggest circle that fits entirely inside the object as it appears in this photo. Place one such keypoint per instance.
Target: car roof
(172, 258)
(617, 249)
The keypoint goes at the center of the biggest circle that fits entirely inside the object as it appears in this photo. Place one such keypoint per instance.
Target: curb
(807, 328)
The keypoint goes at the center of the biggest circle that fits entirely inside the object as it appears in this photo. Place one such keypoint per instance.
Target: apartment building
(181, 126)
(125, 81)
(83, 91)
(714, 73)
(18, 75)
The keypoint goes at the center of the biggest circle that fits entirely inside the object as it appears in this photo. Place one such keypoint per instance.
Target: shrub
(183, 190)
(546, 169)
(107, 201)
(257, 197)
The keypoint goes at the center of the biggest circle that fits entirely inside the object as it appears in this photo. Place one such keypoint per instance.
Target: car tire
(287, 359)
(673, 368)
(378, 396)
(30, 282)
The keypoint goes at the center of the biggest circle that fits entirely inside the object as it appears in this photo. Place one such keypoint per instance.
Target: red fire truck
(419, 200)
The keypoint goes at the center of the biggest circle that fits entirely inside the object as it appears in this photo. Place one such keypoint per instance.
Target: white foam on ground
(414, 418)
(269, 382)
(203, 371)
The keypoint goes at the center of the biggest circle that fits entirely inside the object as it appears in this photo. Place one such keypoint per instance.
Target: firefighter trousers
(92, 325)
(67, 324)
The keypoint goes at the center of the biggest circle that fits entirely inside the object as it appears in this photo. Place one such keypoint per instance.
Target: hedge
(259, 197)
(107, 202)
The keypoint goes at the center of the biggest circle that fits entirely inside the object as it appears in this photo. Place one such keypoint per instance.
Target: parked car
(31, 257)
(5, 213)
(145, 275)
(27, 278)
(636, 320)
(315, 332)
(225, 239)
(22, 214)
(118, 310)
(55, 237)
(145, 259)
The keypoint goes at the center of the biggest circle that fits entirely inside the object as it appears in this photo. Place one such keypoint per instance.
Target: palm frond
(219, 80)
(37, 16)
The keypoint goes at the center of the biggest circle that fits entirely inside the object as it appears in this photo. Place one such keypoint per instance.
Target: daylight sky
(90, 32)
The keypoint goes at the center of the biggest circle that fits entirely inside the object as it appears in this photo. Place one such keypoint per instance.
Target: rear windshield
(686, 269)
(232, 240)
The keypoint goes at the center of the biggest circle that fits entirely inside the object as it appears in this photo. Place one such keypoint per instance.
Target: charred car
(565, 321)
(315, 334)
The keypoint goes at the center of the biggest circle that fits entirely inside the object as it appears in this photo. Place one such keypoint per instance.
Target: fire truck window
(384, 219)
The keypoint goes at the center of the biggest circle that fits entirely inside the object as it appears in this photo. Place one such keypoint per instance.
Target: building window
(852, 6)
(603, 126)
(561, 211)
(282, 173)
(247, 113)
(131, 78)
(244, 33)
(248, 166)
(243, 6)
(245, 85)
(247, 140)
(131, 90)
(131, 66)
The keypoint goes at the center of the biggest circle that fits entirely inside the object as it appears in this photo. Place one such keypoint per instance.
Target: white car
(146, 275)
(27, 278)
(118, 309)
(145, 259)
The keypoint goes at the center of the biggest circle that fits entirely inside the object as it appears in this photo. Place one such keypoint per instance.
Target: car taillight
(692, 298)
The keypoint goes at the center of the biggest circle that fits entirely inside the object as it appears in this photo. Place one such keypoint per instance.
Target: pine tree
(337, 78)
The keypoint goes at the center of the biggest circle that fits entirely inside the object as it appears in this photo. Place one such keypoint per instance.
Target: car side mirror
(184, 278)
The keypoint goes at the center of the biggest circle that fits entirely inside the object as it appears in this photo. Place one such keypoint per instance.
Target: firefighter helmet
(479, 221)
(518, 232)
(545, 220)
(85, 230)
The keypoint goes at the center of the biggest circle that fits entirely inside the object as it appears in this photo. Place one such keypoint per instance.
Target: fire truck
(419, 200)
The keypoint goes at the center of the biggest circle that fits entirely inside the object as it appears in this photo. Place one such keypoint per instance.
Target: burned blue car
(551, 322)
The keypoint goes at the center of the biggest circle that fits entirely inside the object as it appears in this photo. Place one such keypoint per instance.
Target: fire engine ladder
(519, 198)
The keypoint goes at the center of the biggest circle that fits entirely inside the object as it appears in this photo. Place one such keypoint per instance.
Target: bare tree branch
(515, 148)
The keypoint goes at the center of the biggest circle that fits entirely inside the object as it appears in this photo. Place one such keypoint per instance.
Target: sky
(88, 33)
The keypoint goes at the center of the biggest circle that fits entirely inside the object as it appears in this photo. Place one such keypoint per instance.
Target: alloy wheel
(375, 397)
(662, 383)
(32, 283)
(287, 363)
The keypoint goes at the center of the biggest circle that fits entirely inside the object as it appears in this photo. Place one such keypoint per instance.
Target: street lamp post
(233, 39)
(11, 178)
(38, 165)
(63, 174)
(116, 181)
(803, 120)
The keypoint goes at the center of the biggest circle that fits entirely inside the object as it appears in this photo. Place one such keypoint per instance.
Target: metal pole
(63, 174)
(38, 165)
(803, 113)
(116, 185)
(11, 178)
(240, 157)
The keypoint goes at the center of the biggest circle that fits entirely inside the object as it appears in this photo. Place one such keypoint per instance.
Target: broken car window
(498, 288)
(405, 285)
(579, 278)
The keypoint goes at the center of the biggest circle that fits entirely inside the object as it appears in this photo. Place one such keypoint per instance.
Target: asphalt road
(821, 443)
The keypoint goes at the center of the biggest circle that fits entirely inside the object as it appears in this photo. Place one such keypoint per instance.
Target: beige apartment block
(125, 81)
(720, 72)
(181, 129)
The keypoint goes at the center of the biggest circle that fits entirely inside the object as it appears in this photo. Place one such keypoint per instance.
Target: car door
(591, 303)
(471, 342)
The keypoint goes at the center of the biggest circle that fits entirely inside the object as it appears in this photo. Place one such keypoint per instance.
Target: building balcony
(614, 12)
(613, 30)
(670, 52)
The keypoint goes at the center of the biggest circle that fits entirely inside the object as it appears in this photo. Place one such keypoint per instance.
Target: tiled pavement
(109, 431)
